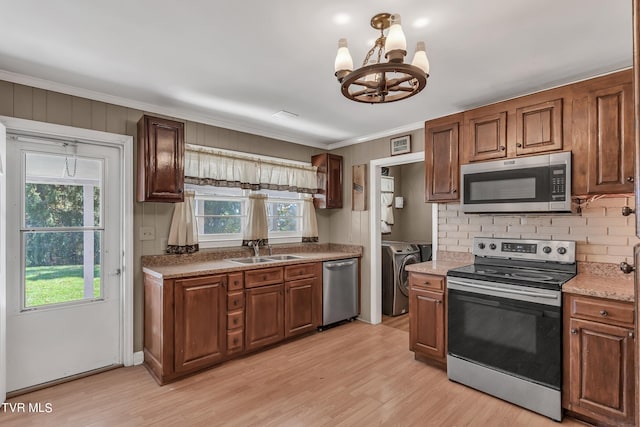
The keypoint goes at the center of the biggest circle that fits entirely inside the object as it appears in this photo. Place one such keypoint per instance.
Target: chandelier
(377, 82)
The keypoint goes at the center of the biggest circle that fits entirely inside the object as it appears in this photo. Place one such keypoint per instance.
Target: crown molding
(382, 134)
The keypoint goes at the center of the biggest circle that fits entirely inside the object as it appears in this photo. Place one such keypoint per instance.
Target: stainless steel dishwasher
(339, 290)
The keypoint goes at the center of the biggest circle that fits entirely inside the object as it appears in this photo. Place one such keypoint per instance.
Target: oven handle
(461, 285)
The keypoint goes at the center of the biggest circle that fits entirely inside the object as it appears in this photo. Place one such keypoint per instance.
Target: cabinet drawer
(263, 276)
(426, 281)
(300, 271)
(235, 319)
(235, 282)
(235, 301)
(234, 341)
(602, 310)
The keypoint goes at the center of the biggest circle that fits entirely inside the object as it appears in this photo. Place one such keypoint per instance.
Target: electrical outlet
(147, 233)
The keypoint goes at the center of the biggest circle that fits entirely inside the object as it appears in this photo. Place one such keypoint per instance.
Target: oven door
(512, 329)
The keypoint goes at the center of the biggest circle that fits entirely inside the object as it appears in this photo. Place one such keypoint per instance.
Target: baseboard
(138, 358)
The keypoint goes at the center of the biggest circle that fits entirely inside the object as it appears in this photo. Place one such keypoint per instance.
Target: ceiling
(235, 64)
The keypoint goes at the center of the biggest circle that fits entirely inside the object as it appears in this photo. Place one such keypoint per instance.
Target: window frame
(235, 239)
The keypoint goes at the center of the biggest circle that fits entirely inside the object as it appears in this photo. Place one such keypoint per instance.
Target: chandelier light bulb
(344, 62)
(396, 43)
(420, 59)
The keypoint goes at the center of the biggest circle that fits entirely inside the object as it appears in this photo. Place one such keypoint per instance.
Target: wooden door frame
(124, 143)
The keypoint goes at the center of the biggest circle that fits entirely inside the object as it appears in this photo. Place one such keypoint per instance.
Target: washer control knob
(481, 245)
(492, 246)
(562, 250)
(546, 249)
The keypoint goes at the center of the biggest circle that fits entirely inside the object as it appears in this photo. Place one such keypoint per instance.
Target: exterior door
(64, 268)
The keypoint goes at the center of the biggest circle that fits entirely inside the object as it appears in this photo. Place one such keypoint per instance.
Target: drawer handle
(604, 313)
(574, 331)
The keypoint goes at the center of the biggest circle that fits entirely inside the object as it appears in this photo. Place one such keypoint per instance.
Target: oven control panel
(535, 250)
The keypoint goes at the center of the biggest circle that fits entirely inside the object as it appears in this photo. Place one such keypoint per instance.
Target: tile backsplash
(601, 233)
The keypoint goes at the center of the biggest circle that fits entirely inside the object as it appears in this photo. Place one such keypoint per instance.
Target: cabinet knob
(235, 340)
(519, 145)
(604, 313)
(180, 190)
(626, 211)
(235, 321)
(630, 179)
(502, 148)
(425, 283)
(438, 302)
(454, 191)
(626, 268)
(574, 331)
(631, 334)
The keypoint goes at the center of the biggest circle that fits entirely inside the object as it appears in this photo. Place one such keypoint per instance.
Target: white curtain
(309, 221)
(256, 228)
(183, 234)
(208, 166)
(386, 212)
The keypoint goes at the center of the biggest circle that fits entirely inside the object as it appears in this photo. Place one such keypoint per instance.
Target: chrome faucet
(270, 249)
(256, 247)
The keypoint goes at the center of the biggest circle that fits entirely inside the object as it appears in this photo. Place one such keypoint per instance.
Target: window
(221, 215)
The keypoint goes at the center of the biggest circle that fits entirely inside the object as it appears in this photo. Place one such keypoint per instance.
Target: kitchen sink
(251, 260)
(260, 259)
(282, 257)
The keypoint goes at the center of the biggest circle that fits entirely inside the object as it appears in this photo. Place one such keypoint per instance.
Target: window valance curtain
(208, 166)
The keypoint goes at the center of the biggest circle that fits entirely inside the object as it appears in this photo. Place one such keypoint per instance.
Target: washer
(395, 279)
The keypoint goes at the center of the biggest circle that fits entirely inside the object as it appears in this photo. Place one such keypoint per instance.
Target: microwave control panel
(558, 178)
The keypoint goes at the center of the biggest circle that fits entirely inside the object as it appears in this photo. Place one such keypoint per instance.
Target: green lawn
(56, 284)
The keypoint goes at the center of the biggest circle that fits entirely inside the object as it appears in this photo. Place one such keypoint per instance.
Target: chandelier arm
(400, 80)
(369, 85)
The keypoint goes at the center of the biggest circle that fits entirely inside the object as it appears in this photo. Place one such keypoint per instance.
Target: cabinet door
(300, 306)
(604, 149)
(426, 323)
(264, 310)
(160, 160)
(200, 322)
(442, 168)
(539, 128)
(602, 373)
(487, 135)
(334, 183)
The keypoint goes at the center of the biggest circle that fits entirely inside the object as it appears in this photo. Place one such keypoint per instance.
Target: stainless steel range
(505, 321)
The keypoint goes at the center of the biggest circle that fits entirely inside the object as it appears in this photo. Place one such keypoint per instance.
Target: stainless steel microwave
(528, 184)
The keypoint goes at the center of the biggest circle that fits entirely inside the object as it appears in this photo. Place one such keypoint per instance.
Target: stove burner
(531, 276)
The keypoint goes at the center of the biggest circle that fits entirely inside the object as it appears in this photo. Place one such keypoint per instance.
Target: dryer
(395, 279)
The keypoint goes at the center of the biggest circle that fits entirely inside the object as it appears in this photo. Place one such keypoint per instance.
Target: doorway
(375, 239)
(68, 288)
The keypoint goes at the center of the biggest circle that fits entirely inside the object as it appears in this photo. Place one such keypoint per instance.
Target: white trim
(125, 145)
(3, 264)
(434, 231)
(138, 358)
(375, 275)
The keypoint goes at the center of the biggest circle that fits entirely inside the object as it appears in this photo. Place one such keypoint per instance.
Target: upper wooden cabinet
(487, 135)
(603, 140)
(160, 160)
(539, 127)
(518, 127)
(442, 171)
(329, 181)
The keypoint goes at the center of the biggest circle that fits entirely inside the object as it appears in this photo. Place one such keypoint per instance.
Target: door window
(61, 233)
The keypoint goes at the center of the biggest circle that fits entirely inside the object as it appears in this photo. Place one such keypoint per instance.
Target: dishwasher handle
(339, 264)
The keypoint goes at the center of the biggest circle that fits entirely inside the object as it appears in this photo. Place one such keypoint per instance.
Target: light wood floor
(352, 375)
(399, 322)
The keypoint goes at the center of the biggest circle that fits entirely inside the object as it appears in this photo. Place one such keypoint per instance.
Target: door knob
(626, 268)
(626, 211)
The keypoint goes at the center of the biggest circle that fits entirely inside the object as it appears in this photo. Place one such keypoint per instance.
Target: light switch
(147, 233)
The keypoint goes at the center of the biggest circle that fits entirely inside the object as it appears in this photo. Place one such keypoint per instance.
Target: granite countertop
(437, 267)
(202, 268)
(618, 287)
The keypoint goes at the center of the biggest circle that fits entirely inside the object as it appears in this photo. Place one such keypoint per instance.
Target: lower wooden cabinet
(194, 323)
(427, 321)
(599, 360)
(200, 322)
(264, 316)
